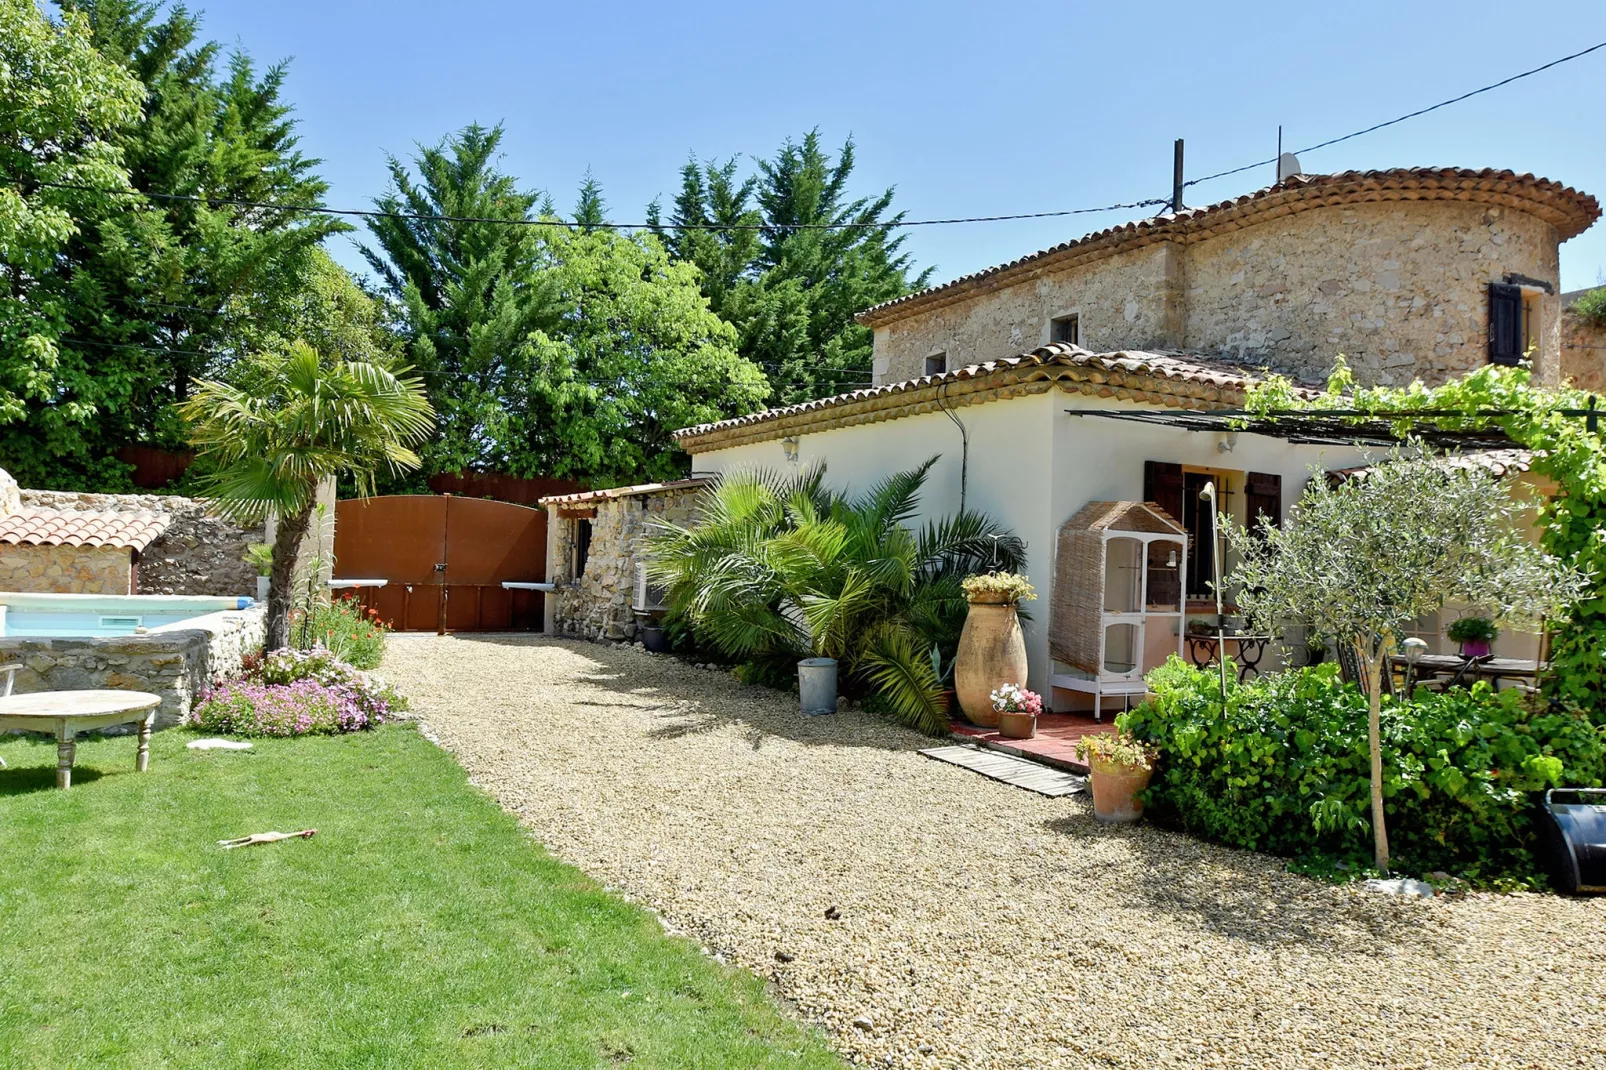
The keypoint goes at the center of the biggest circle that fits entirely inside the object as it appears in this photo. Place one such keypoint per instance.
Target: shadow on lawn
(1250, 897)
(686, 701)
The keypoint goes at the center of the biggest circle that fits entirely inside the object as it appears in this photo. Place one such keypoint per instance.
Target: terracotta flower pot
(992, 651)
(1115, 789)
(1017, 725)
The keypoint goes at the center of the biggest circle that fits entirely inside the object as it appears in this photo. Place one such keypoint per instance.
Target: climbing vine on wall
(1566, 449)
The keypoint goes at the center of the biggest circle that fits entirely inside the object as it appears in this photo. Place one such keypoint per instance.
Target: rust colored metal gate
(444, 560)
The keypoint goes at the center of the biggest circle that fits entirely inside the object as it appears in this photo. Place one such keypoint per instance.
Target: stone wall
(1399, 288)
(597, 604)
(178, 663)
(66, 569)
(197, 554)
(1583, 352)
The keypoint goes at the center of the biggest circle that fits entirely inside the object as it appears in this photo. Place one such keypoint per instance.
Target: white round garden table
(66, 713)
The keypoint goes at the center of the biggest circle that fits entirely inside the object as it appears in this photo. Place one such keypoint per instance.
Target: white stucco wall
(1032, 466)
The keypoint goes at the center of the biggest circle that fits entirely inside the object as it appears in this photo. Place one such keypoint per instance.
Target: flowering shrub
(354, 634)
(1012, 699)
(1008, 587)
(297, 692)
(305, 707)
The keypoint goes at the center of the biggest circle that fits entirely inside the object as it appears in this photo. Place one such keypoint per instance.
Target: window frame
(1075, 321)
(940, 355)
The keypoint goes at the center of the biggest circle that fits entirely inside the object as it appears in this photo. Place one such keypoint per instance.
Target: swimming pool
(100, 615)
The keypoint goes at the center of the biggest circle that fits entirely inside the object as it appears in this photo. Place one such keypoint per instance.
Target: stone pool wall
(178, 662)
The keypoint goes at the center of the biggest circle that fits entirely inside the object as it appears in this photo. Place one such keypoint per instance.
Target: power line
(1402, 118)
(423, 217)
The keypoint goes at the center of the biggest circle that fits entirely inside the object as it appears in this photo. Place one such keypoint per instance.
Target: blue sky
(968, 109)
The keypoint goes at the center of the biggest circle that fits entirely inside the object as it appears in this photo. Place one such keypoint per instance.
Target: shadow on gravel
(688, 701)
(1246, 896)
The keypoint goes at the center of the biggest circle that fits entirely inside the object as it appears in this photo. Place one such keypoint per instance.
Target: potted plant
(1475, 634)
(259, 555)
(992, 650)
(1120, 767)
(1017, 710)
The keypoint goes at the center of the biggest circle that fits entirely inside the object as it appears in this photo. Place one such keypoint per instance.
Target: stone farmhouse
(1068, 377)
(1409, 273)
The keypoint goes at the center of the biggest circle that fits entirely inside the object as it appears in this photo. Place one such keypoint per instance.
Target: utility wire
(1403, 118)
(424, 217)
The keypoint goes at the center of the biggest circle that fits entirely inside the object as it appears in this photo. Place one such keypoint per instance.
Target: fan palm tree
(779, 568)
(299, 420)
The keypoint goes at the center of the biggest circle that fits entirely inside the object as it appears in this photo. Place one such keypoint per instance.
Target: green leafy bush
(1283, 768)
(351, 633)
(778, 568)
(1592, 306)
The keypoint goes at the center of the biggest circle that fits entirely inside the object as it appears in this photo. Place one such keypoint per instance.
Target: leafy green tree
(1363, 559)
(550, 348)
(159, 288)
(790, 285)
(299, 420)
(61, 106)
(635, 355)
(780, 568)
(468, 294)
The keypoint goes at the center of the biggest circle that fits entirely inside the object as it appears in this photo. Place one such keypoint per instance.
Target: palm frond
(899, 666)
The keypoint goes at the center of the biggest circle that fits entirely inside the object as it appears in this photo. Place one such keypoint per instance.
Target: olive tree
(1362, 558)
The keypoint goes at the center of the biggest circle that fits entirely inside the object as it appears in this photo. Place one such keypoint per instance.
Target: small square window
(936, 364)
(1065, 329)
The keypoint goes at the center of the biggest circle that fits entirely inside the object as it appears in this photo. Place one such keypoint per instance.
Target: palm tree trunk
(1374, 738)
(286, 548)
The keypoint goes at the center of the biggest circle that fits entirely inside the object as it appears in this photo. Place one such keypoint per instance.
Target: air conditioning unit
(649, 597)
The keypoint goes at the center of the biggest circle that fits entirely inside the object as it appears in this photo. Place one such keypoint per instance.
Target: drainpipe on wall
(964, 445)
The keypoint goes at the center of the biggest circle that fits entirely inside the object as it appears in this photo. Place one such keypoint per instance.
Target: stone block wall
(1583, 352)
(1399, 288)
(66, 569)
(197, 554)
(178, 663)
(597, 604)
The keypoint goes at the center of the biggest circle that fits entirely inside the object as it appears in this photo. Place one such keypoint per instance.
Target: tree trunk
(286, 548)
(1374, 736)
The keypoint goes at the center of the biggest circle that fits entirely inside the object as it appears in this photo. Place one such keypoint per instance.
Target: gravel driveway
(977, 925)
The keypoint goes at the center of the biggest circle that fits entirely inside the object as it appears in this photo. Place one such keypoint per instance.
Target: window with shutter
(1263, 497)
(1162, 485)
(1506, 329)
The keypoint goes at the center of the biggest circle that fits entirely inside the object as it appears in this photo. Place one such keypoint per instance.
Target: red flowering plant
(352, 632)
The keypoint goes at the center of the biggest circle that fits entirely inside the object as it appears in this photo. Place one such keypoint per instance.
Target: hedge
(1283, 769)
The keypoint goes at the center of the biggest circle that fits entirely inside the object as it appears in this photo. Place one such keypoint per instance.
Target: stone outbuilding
(55, 551)
(594, 544)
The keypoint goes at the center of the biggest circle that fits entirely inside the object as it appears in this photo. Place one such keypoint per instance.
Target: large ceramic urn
(992, 651)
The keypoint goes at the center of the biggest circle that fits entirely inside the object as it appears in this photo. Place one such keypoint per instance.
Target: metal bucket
(1572, 838)
(816, 685)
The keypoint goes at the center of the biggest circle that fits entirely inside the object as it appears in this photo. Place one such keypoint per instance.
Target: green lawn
(420, 928)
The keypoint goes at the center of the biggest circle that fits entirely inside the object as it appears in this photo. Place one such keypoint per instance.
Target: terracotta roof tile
(50, 527)
(626, 492)
(1172, 379)
(1568, 210)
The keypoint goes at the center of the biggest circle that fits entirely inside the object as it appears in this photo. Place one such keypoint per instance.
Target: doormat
(1006, 769)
